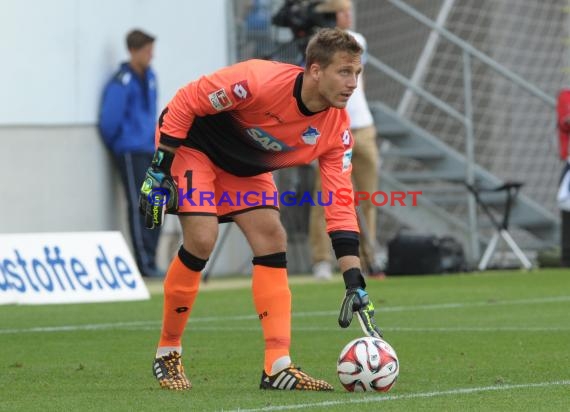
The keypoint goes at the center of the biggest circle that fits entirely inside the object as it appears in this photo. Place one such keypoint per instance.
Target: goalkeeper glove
(356, 300)
(158, 192)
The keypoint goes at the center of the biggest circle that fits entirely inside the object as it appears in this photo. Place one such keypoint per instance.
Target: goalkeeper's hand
(158, 193)
(356, 300)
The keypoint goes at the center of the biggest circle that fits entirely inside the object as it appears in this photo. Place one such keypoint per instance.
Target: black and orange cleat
(292, 378)
(169, 371)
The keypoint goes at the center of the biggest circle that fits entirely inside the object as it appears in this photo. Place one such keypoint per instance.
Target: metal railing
(466, 118)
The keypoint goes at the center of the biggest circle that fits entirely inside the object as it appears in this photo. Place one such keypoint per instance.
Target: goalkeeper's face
(337, 81)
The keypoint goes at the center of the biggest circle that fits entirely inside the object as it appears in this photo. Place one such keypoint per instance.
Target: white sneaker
(322, 270)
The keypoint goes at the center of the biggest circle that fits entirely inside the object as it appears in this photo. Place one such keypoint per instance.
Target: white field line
(334, 328)
(73, 328)
(420, 395)
(210, 319)
(155, 325)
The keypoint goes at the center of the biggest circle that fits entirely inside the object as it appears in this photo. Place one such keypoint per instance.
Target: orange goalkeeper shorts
(206, 189)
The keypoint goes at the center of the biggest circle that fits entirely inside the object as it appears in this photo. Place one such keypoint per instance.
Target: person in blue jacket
(127, 122)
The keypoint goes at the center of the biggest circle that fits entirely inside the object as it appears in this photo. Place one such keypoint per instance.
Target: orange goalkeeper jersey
(249, 119)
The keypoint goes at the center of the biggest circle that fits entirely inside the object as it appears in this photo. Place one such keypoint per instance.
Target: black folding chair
(501, 228)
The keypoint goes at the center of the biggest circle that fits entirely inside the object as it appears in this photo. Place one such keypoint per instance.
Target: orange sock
(272, 299)
(180, 290)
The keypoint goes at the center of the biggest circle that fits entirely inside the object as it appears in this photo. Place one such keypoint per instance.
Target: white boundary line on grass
(155, 325)
(208, 319)
(335, 329)
(384, 398)
(73, 328)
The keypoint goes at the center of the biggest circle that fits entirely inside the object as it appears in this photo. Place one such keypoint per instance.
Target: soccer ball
(368, 364)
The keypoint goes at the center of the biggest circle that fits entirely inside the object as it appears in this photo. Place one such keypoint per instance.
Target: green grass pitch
(493, 341)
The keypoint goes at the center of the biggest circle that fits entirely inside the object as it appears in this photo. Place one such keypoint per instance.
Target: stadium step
(419, 176)
(414, 153)
(440, 162)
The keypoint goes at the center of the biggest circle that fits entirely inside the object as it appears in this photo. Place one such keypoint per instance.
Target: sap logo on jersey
(220, 100)
(266, 141)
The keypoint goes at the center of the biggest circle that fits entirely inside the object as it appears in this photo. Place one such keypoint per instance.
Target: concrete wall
(58, 54)
(57, 174)
(59, 178)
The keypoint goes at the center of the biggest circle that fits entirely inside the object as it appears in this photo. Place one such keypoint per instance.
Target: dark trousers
(565, 239)
(132, 167)
(565, 235)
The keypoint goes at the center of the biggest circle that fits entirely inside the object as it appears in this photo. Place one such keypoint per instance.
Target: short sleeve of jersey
(230, 88)
(336, 167)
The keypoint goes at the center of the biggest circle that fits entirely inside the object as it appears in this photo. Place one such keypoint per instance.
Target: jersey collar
(297, 95)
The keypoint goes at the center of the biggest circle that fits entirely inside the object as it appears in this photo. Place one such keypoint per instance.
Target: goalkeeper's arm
(158, 193)
(356, 299)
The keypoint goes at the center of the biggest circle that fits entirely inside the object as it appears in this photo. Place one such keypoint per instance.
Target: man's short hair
(137, 39)
(326, 42)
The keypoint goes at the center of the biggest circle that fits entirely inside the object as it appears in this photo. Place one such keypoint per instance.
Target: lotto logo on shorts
(220, 100)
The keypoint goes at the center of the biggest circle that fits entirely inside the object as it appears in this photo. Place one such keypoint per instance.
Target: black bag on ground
(415, 254)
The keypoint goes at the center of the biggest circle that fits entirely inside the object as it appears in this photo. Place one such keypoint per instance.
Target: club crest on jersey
(220, 100)
(241, 90)
(311, 135)
(266, 141)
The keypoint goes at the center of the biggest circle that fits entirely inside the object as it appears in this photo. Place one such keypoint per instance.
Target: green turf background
(501, 331)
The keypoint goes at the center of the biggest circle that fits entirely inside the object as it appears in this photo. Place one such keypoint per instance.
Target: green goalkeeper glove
(158, 192)
(357, 300)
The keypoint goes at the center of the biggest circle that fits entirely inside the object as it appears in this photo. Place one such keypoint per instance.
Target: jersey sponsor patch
(241, 90)
(346, 138)
(220, 100)
(266, 141)
(311, 135)
(346, 160)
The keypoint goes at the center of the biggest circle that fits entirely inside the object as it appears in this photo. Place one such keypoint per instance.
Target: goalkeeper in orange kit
(224, 133)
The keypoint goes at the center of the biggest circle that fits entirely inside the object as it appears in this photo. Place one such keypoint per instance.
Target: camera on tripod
(304, 18)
